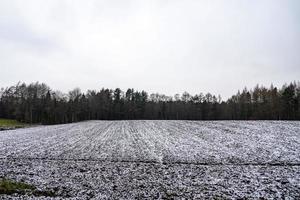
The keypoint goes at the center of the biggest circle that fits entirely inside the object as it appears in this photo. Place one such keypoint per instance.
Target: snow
(157, 159)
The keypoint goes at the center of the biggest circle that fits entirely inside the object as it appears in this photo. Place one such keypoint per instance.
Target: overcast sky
(164, 46)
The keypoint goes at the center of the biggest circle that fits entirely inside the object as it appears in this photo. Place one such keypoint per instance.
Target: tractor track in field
(152, 162)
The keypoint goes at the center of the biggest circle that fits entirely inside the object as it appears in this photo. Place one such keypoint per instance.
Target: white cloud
(160, 46)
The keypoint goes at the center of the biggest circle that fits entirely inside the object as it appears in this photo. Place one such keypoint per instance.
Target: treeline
(37, 103)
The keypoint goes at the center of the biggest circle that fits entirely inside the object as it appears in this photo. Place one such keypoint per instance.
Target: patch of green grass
(11, 187)
(11, 123)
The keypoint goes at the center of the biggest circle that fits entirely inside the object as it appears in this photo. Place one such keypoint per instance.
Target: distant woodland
(37, 103)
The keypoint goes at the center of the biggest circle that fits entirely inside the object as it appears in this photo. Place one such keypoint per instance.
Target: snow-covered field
(157, 159)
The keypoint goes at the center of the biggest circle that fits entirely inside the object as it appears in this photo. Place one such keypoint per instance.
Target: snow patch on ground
(157, 159)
